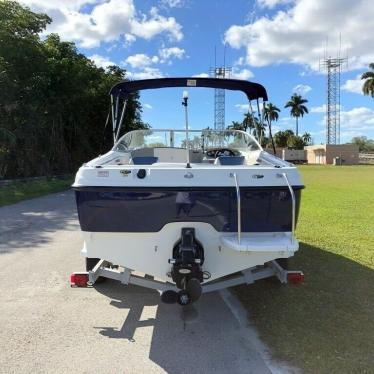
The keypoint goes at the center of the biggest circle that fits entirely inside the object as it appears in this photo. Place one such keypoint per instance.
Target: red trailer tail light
(79, 280)
(297, 277)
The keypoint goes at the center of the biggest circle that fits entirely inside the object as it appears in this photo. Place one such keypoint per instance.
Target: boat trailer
(188, 257)
(170, 293)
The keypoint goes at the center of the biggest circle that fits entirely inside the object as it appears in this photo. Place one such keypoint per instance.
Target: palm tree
(281, 138)
(368, 87)
(259, 130)
(307, 138)
(270, 115)
(248, 122)
(236, 125)
(298, 109)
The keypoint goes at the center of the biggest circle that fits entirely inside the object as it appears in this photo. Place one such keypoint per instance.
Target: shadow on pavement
(31, 223)
(203, 337)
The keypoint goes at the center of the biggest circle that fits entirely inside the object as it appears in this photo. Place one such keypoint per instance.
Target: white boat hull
(149, 252)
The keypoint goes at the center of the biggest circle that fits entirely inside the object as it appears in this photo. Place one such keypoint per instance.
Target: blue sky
(277, 43)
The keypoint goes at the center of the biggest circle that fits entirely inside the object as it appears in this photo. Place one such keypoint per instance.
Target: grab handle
(284, 175)
(233, 175)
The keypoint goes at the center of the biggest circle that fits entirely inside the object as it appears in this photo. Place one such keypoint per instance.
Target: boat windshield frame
(124, 145)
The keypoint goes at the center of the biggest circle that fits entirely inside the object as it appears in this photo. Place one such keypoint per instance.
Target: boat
(187, 211)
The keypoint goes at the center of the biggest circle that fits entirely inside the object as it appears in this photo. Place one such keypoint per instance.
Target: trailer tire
(90, 264)
(283, 262)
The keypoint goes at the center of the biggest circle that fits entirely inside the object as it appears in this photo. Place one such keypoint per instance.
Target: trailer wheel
(283, 262)
(90, 264)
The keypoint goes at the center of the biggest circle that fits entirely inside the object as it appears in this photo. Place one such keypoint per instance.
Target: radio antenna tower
(219, 93)
(333, 67)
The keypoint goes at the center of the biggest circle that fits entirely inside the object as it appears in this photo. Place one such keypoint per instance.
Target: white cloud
(129, 39)
(322, 108)
(243, 108)
(58, 4)
(244, 74)
(354, 122)
(302, 89)
(353, 85)
(174, 52)
(101, 61)
(157, 24)
(107, 21)
(272, 3)
(141, 60)
(297, 35)
(147, 106)
(360, 119)
(240, 61)
(201, 75)
(172, 3)
(146, 73)
(142, 63)
(318, 109)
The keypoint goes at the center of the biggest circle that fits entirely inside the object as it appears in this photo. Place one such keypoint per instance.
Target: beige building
(326, 153)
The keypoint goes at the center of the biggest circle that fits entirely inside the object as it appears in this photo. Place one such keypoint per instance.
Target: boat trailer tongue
(188, 257)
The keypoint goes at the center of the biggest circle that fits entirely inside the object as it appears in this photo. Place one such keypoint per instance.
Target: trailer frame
(105, 269)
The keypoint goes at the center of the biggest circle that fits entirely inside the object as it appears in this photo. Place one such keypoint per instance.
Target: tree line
(364, 144)
(286, 138)
(53, 100)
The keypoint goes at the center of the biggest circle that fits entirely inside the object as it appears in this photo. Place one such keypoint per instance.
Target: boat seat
(144, 160)
(229, 160)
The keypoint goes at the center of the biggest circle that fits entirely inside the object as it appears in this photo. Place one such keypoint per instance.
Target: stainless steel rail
(121, 119)
(233, 175)
(284, 175)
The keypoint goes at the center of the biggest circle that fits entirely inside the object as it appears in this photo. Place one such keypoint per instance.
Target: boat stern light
(295, 277)
(79, 280)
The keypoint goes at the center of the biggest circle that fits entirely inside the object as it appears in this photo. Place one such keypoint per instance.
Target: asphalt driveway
(48, 327)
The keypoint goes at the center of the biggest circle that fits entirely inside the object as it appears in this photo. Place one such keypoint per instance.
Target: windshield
(198, 139)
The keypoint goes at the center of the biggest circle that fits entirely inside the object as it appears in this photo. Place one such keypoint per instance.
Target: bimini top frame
(253, 91)
(124, 89)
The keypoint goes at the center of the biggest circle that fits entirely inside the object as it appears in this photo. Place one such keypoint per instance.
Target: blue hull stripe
(133, 209)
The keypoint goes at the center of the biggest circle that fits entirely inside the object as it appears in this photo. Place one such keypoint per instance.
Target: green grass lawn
(18, 191)
(325, 325)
